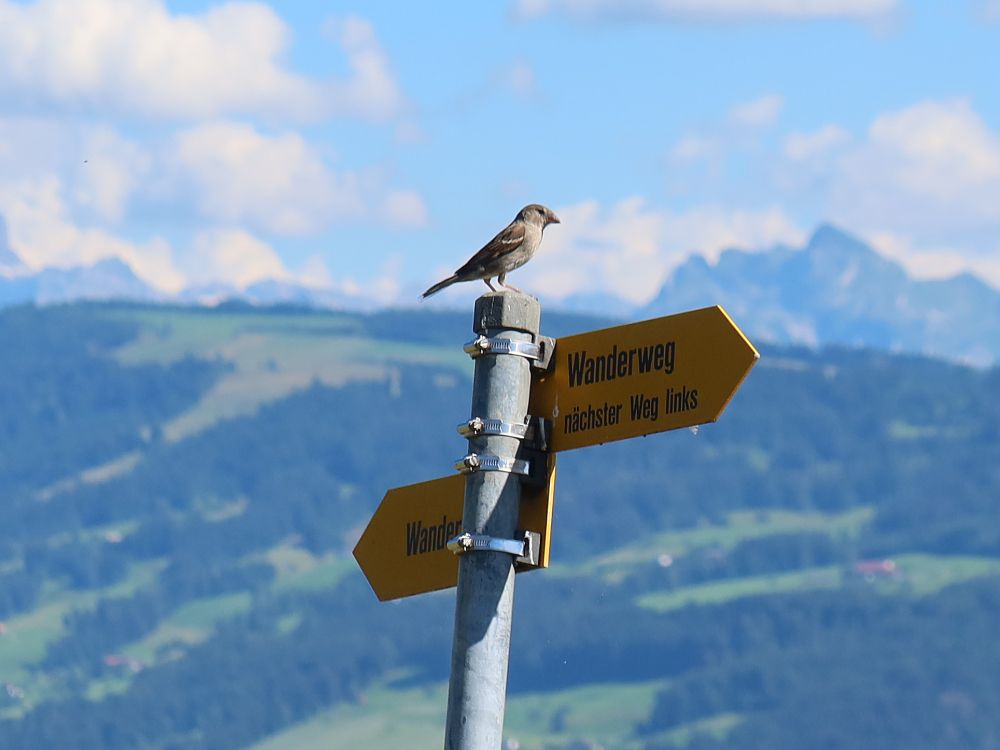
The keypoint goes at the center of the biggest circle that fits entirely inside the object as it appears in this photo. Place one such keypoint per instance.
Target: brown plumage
(510, 249)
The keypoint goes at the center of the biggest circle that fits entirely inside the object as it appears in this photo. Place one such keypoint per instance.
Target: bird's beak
(553, 219)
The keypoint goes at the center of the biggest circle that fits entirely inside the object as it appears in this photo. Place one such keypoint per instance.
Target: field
(390, 718)
(270, 356)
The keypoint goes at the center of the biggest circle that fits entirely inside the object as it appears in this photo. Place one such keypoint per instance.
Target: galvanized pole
(478, 688)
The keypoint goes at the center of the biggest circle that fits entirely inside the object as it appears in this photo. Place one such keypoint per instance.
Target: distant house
(872, 570)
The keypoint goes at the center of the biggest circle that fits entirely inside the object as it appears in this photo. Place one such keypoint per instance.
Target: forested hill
(180, 490)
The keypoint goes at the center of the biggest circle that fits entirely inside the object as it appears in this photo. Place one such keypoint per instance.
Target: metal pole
(477, 691)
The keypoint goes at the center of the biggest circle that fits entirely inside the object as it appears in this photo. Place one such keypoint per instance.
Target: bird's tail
(441, 285)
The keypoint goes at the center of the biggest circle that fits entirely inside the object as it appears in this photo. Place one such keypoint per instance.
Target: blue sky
(370, 148)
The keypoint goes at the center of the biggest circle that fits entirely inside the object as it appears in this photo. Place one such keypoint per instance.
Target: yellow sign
(404, 551)
(641, 378)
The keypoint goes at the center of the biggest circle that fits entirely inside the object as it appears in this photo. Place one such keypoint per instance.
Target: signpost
(404, 550)
(533, 397)
(641, 378)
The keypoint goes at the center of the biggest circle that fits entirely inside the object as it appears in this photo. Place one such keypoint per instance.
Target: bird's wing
(509, 240)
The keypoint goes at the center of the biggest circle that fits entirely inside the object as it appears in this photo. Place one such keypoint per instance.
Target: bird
(510, 249)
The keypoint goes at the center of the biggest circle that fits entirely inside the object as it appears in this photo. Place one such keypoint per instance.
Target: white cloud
(693, 147)
(137, 57)
(741, 128)
(759, 113)
(594, 249)
(820, 143)
(229, 172)
(108, 171)
(921, 182)
(804, 165)
(710, 229)
(405, 208)
(519, 77)
(932, 168)
(231, 256)
(43, 235)
(101, 169)
(629, 248)
(29, 145)
(921, 262)
(69, 191)
(372, 91)
(386, 287)
(934, 262)
(706, 10)
(278, 183)
(383, 289)
(315, 273)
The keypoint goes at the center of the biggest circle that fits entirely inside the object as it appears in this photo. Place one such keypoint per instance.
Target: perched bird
(510, 249)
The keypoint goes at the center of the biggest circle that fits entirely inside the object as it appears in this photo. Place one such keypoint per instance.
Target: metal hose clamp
(475, 462)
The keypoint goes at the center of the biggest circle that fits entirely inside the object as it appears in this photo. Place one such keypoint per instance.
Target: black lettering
(686, 399)
(620, 363)
(422, 545)
(575, 362)
(421, 539)
(644, 408)
(611, 364)
(591, 417)
(636, 401)
(572, 421)
(600, 369)
(442, 533)
(412, 532)
(645, 359)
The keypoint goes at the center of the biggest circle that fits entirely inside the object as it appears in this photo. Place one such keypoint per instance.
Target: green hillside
(180, 490)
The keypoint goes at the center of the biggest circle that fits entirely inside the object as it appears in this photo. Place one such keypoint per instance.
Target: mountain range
(834, 290)
(838, 290)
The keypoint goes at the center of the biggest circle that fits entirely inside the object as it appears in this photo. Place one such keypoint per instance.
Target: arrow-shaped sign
(403, 551)
(641, 378)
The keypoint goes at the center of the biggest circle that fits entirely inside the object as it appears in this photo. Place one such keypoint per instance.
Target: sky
(371, 148)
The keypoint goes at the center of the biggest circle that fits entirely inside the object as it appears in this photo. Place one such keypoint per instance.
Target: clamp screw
(462, 543)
